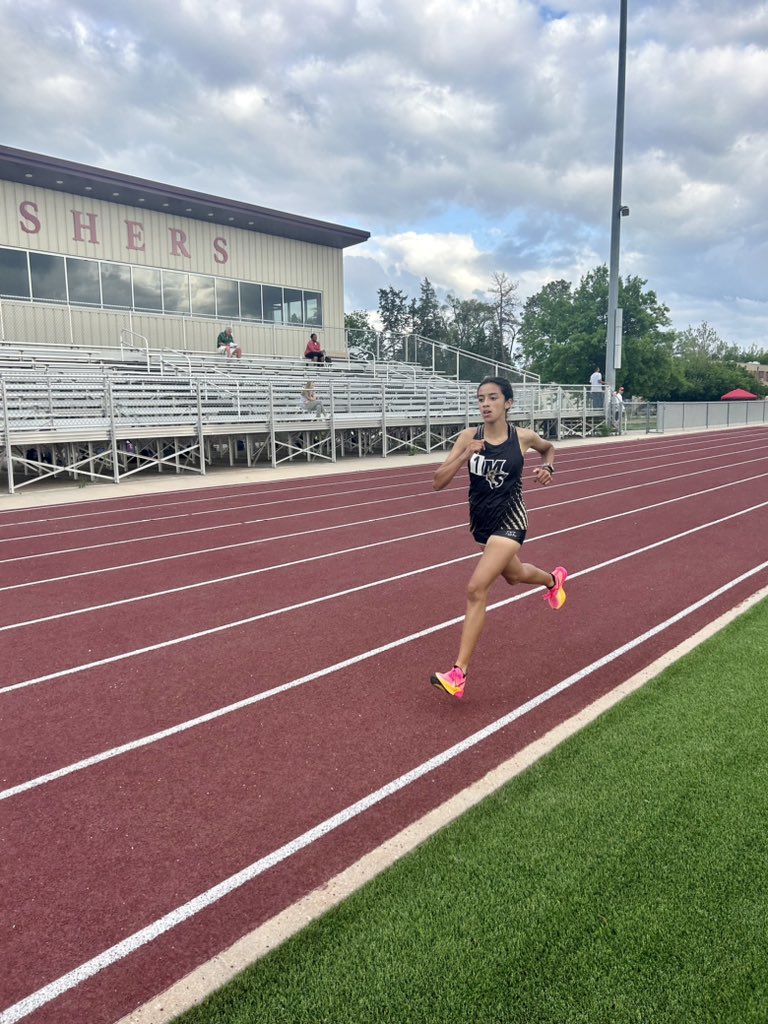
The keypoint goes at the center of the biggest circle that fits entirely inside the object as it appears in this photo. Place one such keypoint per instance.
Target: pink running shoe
(555, 596)
(452, 682)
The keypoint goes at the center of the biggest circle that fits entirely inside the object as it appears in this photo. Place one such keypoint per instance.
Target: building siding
(41, 220)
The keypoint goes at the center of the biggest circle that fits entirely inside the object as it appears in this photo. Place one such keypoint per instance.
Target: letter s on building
(25, 209)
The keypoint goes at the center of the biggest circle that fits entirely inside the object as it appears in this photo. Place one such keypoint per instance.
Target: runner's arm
(464, 447)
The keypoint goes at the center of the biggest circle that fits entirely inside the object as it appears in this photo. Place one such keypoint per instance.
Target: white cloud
(452, 262)
(468, 135)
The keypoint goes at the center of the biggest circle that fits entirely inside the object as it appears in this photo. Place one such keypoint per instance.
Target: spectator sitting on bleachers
(314, 352)
(226, 343)
(309, 400)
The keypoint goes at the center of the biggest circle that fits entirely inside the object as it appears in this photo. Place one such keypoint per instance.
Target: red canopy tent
(737, 394)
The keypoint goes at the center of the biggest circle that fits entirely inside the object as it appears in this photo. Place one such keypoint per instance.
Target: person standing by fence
(617, 409)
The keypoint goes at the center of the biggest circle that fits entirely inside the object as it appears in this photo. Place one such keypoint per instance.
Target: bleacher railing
(434, 356)
(125, 346)
(26, 324)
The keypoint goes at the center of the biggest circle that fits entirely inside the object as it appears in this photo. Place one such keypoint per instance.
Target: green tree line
(559, 333)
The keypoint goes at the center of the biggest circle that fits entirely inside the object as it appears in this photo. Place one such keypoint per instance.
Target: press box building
(93, 257)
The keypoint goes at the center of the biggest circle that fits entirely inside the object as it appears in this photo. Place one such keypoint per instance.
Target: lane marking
(313, 512)
(338, 526)
(364, 547)
(208, 529)
(257, 698)
(568, 455)
(213, 974)
(237, 623)
(202, 901)
(281, 501)
(249, 507)
(221, 492)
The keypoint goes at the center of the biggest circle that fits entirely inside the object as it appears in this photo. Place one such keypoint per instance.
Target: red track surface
(322, 605)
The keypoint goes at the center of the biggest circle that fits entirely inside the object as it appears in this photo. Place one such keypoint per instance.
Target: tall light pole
(617, 210)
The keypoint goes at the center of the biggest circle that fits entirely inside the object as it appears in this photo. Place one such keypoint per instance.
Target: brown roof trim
(78, 179)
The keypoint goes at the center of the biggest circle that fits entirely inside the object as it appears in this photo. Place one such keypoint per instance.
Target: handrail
(135, 334)
(183, 355)
(436, 347)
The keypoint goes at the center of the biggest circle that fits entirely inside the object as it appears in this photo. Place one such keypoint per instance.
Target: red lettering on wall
(25, 209)
(220, 254)
(178, 243)
(84, 222)
(135, 235)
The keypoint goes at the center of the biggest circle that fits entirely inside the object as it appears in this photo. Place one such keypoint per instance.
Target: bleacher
(88, 413)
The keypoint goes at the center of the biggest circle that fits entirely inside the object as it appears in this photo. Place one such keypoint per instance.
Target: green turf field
(623, 878)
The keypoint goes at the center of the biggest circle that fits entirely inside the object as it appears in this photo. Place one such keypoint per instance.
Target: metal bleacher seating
(87, 412)
(90, 412)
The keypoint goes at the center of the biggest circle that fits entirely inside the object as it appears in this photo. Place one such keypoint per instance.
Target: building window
(53, 278)
(203, 292)
(227, 304)
(83, 282)
(313, 309)
(14, 274)
(175, 292)
(293, 306)
(116, 285)
(147, 292)
(250, 301)
(48, 278)
(273, 304)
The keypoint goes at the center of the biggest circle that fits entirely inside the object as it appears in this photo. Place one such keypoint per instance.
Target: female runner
(498, 518)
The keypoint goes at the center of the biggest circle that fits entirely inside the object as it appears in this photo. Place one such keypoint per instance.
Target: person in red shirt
(313, 350)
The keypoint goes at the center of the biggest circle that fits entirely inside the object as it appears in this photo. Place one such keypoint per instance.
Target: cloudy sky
(468, 136)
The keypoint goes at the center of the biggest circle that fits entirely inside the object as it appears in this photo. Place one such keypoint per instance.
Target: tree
(700, 341)
(562, 334)
(427, 321)
(469, 324)
(545, 333)
(506, 302)
(395, 320)
(426, 315)
(361, 336)
(707, 380)
(472, 327)
(753, 354)
(708, 366)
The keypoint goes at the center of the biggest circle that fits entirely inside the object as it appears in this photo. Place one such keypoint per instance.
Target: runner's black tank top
(495, 486)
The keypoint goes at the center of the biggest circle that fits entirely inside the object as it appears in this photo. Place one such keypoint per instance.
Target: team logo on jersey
(491, 469)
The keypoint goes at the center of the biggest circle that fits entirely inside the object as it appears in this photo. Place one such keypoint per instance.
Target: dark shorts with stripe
(481, 536)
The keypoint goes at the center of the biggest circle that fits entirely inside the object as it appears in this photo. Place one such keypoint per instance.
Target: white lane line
(302, 680)
(363, 547)
(339, 526)
(606, 456)
(633, 447)
(210, 529)
(223, 492)
(237, 623)
(213, 974)
(203, 900)
(567, 456)
(247, 507)
(313, 512)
